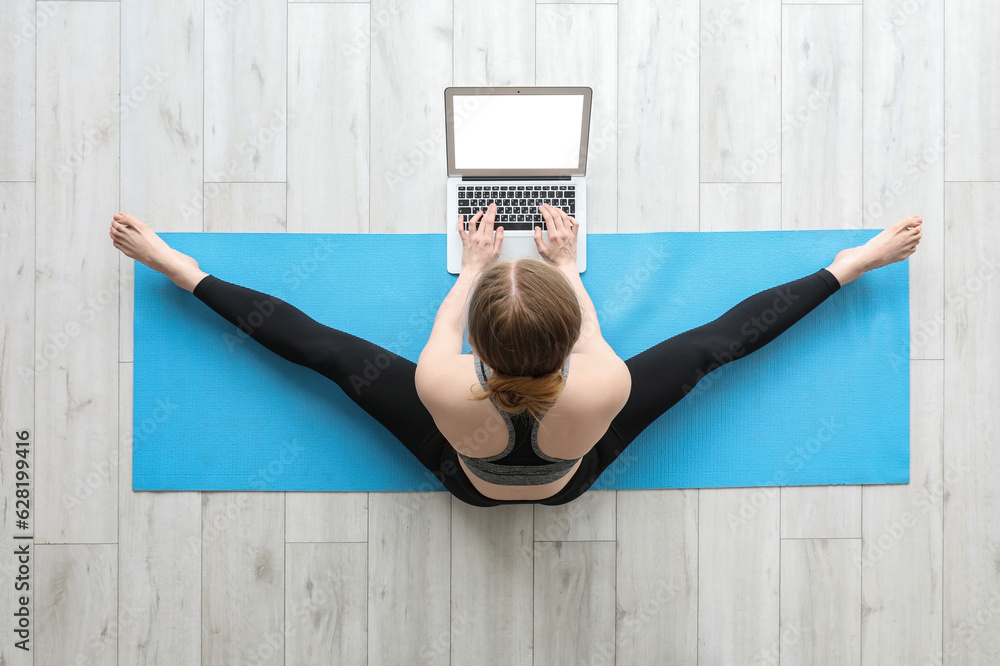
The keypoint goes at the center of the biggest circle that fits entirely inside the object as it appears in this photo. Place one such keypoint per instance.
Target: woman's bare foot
(136, 240)
(895, 243)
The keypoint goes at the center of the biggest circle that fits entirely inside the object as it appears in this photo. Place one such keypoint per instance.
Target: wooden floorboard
(327, 117)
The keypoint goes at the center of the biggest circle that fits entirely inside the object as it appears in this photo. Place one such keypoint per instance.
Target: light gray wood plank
(575, 46)
(821, 116)
(19, 23)
(821, 189)
(76, 603)
(656, 580)
(409, 577)
(242, 566)
(160, 110)
(904, 146)
(159, 604)
(740, 61)
(590, 517)
(820, 602)
(738, 572)
(657, 126)
(17, 399)
(411, 60)
(574, 602)
(245, 207)
(76, 278)
(326, 604)
(740, 206)
(259, 207)
(739, 528)
(491, 622)
(317, 516)
(820, 512)
(329, 78)
(822, 2)
(972, 427)
(901, 550)
(494, 43)
(971, 89)
(245, 72)
(163, 75)
(125, 276)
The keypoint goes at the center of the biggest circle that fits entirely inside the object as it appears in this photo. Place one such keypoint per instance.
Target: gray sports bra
(521, 463)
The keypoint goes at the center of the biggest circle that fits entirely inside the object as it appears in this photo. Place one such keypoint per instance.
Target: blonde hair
(524, 318)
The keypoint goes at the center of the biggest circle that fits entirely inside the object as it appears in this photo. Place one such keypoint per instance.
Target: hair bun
(532, 393)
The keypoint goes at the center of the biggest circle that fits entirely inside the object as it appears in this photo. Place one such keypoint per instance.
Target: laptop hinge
(517, 177)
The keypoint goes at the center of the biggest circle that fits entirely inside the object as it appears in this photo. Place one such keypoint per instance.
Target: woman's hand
(479, 247)
(562, 230)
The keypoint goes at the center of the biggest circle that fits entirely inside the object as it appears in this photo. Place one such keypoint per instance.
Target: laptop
(517, 147)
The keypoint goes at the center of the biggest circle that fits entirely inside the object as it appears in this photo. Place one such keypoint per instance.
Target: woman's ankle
(187, 277)
(845, 268)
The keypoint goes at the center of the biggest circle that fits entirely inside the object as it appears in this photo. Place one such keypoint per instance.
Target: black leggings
(661, 375)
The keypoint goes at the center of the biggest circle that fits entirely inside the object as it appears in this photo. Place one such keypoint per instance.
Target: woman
(504, 425)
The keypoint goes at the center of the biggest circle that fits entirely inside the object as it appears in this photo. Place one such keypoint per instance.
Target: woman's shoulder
(597, 387)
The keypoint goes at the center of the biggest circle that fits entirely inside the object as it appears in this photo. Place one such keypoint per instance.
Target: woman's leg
(667, 372)
(376, 379)
(664, 374)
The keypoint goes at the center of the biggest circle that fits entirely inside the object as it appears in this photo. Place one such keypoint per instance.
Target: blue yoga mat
(825, 403)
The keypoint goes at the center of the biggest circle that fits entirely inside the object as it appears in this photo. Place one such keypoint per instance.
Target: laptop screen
(519, 132)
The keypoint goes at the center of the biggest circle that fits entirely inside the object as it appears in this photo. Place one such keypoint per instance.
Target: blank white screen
(517, 131)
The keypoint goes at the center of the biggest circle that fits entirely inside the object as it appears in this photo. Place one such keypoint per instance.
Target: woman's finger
(490, 217)
(546, 214)
(563, 222)
(474, 222)
(461, 228)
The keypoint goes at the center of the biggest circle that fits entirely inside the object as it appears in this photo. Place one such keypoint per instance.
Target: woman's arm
(449, 323)
(591, 341)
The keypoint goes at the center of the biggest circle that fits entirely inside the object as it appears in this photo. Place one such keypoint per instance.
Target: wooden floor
(222, 115)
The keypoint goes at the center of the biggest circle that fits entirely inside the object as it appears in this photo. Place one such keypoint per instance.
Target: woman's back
(595, 390)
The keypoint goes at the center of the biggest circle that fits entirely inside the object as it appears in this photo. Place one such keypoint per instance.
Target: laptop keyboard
(517, 205)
